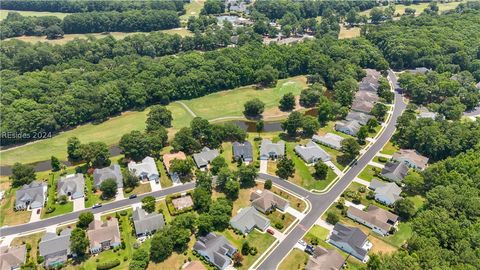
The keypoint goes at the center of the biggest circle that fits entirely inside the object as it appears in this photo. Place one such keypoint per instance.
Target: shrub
(279, 226)
(128, 189)
(253, 251)
(40, 259)
(50, 209)
(332, 218)
(28, 247)
(314, 241)
(108, 264)
(382, 159)
(362, 189)
(371, 195)
(123, 213)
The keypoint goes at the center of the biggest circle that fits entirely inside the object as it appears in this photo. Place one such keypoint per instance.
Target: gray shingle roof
(396, 169)
(55, 247)
(71, 185)
(147, 223)
(33, 194)
(242, 150)
(361, 118)
(268, 148)
(147, 169)
(203, 158)
(112, 172)
(352, 126)
(311, 151)
(13, 257)
(329, 139)
(325, 259)
(353, 236)
(248, 218)
(216, 248)
(390, 191)
(370, 81)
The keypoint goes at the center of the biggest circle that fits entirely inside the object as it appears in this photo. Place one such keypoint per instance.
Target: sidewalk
(376, 164)
(383, 155)
(361, 181)
(335, 169)
(295, 213)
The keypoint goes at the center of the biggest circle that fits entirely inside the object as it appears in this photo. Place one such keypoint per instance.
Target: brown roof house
(167, 161)
(411, 158)
(325, 259)
(103, 235)
(379, 220)
(193, 265)
(12, 258)
(266, 200)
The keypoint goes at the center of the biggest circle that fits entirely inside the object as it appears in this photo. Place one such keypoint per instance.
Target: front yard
(140, 189)
(389, 149)
(280, 220)
(368, 173)
(295, 260)
(31, 241)
(8, 216)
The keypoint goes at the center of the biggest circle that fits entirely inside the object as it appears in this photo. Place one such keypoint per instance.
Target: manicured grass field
(403, 233)
(318, 232)
(389, 149)
(277, 217)
(400, 9)
(4, 13)
(165, 180)
(140, 189)
(350, 32)
(192, 9)
(368, 173)
(295, 260)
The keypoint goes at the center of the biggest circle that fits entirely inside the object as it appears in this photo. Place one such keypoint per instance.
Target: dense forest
(73, 6)
(445, 43)
(78, 91)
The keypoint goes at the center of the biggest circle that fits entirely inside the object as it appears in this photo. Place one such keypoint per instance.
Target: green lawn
(295, 260)
(285, 219)
(318, 232)
(418, 201)
(33, 240)
(192, 9)
(161, 206)
(140, 189)
(403, 234)
(389, 149)
(377, 160)
(335, 154)
(4, 13)
(8, 216)
(368, 173)
(60, 209)
(165, 180)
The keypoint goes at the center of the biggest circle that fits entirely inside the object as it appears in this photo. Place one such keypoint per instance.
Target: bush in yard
(371, 195)
(314, 241)
(279, 226)
(332, 218)
(382, 159)
(63, 199)
(362, 189)
(253, 251)
(268, 184)
(245, 248)
(50, 209)
(356, 198)
(108, 264)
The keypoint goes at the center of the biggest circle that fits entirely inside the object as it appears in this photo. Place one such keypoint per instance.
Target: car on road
(302, 243)
(270, 231)
(97, 205)
(133, 196)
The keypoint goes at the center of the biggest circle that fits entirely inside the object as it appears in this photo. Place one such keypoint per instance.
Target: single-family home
(103, 235)
(325, 259)
(145, 170)
(311, 153)
(12, 258)
(395, 171)
(362, 104)
(348, 127)
(216, 249)
(146, 224)
(419, 70)
(55, 249)
(247, 219)
(167, 161)
(72, 185)
(33, 195)
(193, 265)
(270, 150)
(330, 139)
(361, 118)
(204, 158)
(266, 200)
(379, 220)
(370, 81)
(243, 151)
(111, 172)
(386, 193)
(351, 240)
(411, 158)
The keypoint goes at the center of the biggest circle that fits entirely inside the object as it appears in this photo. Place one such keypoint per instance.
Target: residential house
(351, 240)
(325, 259)
(379, 220)
(411, 158)
(348, 127)
(419, 70)
(145, 170)
(431, 115)
(395, 171)
(243, 151)
(362, 104)
(270, 150)
(55, 249)
(167, 161)
(103, 235)
(247, 219)
(216, 249)
(370, 81)
(265, 201)
(146, 224)
(111, 172)
(311, 153)
(361, 118)
(72, 185)
(331, 140)
(193, 265)
(182, 202)
(12, 258)
(386, 193)
(33, 195)
(204, 158)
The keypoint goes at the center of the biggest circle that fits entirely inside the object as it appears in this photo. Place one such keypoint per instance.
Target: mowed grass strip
(4, 13)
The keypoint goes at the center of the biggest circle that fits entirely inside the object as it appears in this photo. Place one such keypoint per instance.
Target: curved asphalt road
(320, 203)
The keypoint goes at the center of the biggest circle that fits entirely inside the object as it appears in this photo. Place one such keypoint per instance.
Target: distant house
(351, 240)
(395, 171)
(32, 195)
(204, 158)
(431, 115)
(216, 249)
(146, 224)
(243, 151)
(72, 185)
(312, 153)
(331, 140)
(370, 81)
(362, 104)
(12, 258)
(270, 150)
(361, 118)
(167, 161)
(103, 235)
(419, 70)
(55, 249)
(247, 219)
(112, 172)
(325, 259)
(348, 127)
(145, 170)
(379, 220)
(266, 200)
(386, 193)
(411, 158)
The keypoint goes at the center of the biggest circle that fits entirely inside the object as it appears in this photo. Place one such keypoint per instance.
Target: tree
(344, 90)
(231, 189)
(184, 141)
(259, 125)
(73, 147)
(95, 154)
(201, 199)
(220, 211)
(351, 18)
(161, 246)
(293, 123)
(310, 125)
(137, 145)
(22, 174)
(223, 176)
(216, 164)
(183, 168)
(253, 108)
(78, 242)
(287, 102)
(311, 96)
(332, 218)
(204, 180)
(84, 219)
(159, 116)
(414, 182)
(452, 108)
(350, 148)
(285, 168)
(247, 175)
(268, 184)
(205, 224)
(148, 204)
(362, 134)
(55, 163)
(54, 32)
(404, 208)
(372, 123)
(325, 111)
(321, 170)
(108, 188)
(379, 110)
(237, 259)
(266, 76)
(129, 180)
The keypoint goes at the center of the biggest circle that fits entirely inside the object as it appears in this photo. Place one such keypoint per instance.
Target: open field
(400, 9)
(4, 13)
(348, 32)
(192, 9)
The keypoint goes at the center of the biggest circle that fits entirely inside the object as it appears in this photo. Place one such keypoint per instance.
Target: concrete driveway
(263, 166)
(79, 204)
(120, 195)
(155, 186)
(36, 216)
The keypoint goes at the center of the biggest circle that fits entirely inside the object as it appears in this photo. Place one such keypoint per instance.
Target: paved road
(106, 207)
(320, 203)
